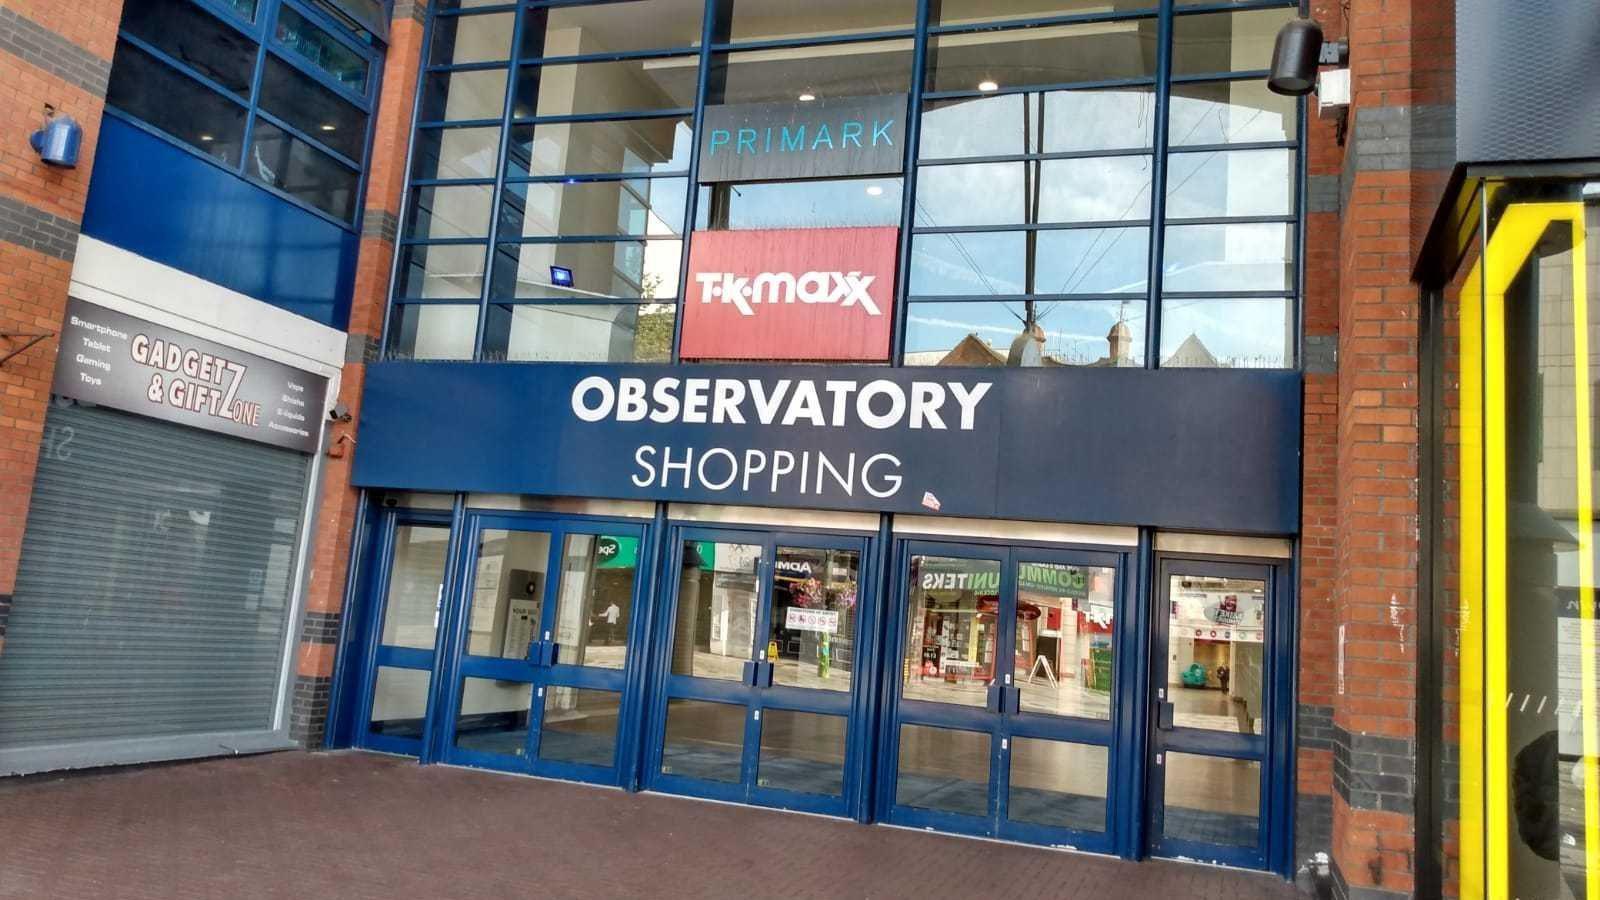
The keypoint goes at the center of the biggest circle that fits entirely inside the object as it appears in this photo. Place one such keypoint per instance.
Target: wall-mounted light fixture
(58, 141)
(1295, 55)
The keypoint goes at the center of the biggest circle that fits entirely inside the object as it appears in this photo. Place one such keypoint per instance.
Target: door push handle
(535, 652)
(1164, 715)
(551, 652)
(764, 674)
(996, 698)
(1013, 700)
(751, 667)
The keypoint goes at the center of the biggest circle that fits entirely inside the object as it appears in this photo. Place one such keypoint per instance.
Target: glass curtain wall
(1101, 183)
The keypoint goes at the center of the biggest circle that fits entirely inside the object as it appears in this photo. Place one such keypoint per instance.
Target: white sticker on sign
(930, 501)
(825, 621)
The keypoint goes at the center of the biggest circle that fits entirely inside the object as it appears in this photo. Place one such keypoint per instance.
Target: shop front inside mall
(889, 412)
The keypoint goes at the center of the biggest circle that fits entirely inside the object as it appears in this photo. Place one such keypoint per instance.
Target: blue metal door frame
(1002, 720)
(1273, 748)
(541, 666)
(755, 692)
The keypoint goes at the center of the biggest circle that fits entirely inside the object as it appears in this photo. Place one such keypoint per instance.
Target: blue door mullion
(1005, 665)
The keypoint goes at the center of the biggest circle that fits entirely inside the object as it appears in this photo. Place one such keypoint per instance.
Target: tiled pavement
(352, 825)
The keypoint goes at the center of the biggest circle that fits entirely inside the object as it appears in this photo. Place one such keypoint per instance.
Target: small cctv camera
(339, 413)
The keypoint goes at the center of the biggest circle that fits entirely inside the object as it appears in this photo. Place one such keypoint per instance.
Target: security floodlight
(1294, 58)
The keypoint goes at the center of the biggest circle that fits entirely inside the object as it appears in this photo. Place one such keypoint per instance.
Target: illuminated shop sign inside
(791, 293)
(823, 138)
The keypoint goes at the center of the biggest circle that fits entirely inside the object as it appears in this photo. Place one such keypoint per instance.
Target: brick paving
(354, 825)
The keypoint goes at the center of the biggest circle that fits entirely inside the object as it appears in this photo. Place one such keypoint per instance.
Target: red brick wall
(33, 281)
(337, 509)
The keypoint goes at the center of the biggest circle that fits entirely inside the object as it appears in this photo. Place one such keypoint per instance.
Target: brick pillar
(55, 54)
(1398, 152)
(336, 512)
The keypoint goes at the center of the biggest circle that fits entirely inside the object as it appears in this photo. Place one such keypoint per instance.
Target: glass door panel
(492, 716)
(950, 647)
(508, 586)
(415, 584)
(704, 740)
(715, 628)
(1212, 800)
(1216, 627)
(399, 703)
(1058, 784)
(411, 590)
(813, 616)
(580, 726)
(802, 752)
(594, 603)
(943, 769)
(1065, 622)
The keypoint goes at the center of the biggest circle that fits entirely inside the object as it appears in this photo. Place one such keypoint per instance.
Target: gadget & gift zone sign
(798, 293)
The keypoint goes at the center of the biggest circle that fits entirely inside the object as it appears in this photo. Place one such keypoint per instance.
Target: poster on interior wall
(824, 294)
(822, 137)
(120, 361)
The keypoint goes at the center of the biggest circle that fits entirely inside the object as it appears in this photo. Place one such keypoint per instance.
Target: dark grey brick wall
(1313, 825)
(34, 44)
(31, 227)
(380, 223)
(1314, 727)
(308, 710)
(5, 612)
(1372, 772)
(410, 9)
(1322, 354)
(360, 348)
(320, 628)
(1343, 891)
(1324, 193)
(1404, 137)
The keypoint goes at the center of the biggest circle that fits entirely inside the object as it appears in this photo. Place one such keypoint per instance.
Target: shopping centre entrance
(989, 682)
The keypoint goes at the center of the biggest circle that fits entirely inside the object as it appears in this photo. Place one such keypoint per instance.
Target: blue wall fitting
(168, 205)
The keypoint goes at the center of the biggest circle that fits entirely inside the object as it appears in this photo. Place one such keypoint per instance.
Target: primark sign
(822, 138)
(1181, 448)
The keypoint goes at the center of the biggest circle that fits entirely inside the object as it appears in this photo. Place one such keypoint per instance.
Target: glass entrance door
(413, 555)
(1005, 702)
(543, 634)
(1213, 668)
(760, 671)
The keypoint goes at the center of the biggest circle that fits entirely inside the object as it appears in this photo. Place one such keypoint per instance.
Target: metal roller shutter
(155, 585)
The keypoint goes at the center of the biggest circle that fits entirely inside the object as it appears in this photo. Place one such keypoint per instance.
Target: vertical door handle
(996, 695)
(1013, 700)
(764, 674)
(751, 668)
(1164, 715)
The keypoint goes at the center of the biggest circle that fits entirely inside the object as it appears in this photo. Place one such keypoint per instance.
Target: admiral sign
(797, 294)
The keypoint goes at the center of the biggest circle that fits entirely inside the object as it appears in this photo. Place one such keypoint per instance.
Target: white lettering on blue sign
(879, 404)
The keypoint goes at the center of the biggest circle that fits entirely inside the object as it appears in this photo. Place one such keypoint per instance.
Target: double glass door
(1004, 695)
(542, 641)
(764, 649)
(413, 555)
(1213, 644)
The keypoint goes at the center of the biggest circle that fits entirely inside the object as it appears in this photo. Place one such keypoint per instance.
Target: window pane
(246, 8)
(449, 211)
(1058, 784)
(579, 726)
(1226, 42)
(580, 332)
(1008, 124)
(454, 96)
(1239, 183)
(802, 752)
(433, 332)
(814, 618)
(704, 740)
(1234, 334)
(321, 49)
(950, 630)
(962, 12)
(978, 264)
(1212, 800)
(644, 269)
(280, 159)
(977, 194)
(715, 631)
(1064, 639)
(1058, 54)
(458, 40)
(627, 85)
(1092, 261)
(195, 38)
(148, 89)
(599, 148)
(493, 717)
(780, 76)
(594, 601)
(639, 206)
(764, 20)
(611, 28)
(441, 271)
(1230, 112)
(838, 203)
(1074, 333)
(289, 94)
(1242, 257)
(1105, 189)
(943, 769)
(416, 578)
(399, 702)
(508, 583)
(455, 152)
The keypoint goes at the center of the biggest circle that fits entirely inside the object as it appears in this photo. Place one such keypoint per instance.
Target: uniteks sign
(802, 293)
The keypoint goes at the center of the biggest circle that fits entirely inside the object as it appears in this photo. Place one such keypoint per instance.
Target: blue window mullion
(908, 189)
(691, 203)
(498, 193)
(339, 35)
(1158, 187)
(269, 20)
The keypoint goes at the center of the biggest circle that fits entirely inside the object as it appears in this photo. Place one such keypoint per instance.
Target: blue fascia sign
(1195, 449)
(823, 138)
